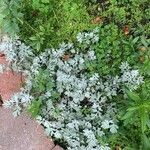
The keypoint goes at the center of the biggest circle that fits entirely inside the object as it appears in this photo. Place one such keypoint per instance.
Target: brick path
(21, 133)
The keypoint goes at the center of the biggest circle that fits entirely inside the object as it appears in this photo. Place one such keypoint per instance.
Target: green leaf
(135, 40)
(33, 38)
(128, 115)
(38, 46)
(146, 67)
(143, 40)
(144, 118)
(148, 122)
(55, 96)
(6, 12)
(146, 142)
(34, 108)
(133, 108)
(45, 1)
(132, 95)
(1, 19)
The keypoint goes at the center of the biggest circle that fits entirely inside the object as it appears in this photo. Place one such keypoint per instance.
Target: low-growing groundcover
(44, 23)
(93, 91)
(75, 107)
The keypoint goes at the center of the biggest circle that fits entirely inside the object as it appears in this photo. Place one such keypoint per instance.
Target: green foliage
(55, 96)
(44, 23)
(41, 5)
(134, 13)
(144, 53)
(37, 40)
(42, 82)
(137, 113)
(75, 18)
(114, 47)
(121, 139)
(124, 36)
(10, 16)
(34, 108)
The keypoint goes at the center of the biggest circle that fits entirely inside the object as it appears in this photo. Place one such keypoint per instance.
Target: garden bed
(87, 67)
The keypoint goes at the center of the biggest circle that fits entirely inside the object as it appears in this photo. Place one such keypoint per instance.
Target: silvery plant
(84, 110)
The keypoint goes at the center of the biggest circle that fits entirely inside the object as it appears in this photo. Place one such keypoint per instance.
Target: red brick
(22, 133)
(9, 84)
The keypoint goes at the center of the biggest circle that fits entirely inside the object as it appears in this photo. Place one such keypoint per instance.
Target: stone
(22, 133)
(10, 83)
